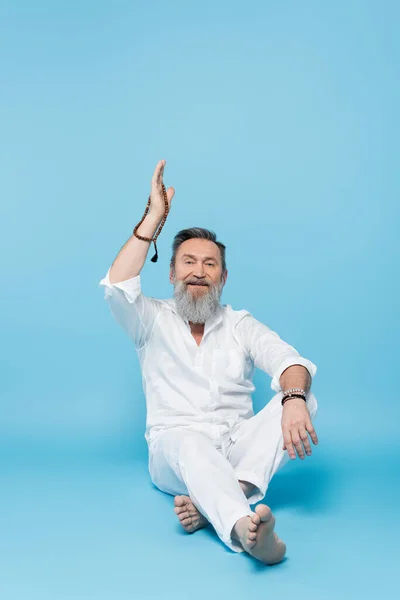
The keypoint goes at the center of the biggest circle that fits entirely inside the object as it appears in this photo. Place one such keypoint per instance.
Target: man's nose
(199, 271)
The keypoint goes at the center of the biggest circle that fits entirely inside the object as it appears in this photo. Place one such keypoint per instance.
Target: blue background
(279, 122)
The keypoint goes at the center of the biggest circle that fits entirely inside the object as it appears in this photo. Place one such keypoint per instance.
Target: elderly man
(206, 446)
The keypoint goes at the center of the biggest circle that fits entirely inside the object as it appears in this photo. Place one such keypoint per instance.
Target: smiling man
(197, 356)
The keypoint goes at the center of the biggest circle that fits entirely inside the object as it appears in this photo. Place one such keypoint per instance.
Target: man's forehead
(199, 248)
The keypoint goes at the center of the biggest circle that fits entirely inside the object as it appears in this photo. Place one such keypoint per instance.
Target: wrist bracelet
(145, 239)
(295, 390)
(293, 396)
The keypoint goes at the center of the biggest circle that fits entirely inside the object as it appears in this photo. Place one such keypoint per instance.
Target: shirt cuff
(131, 287)
(293, 360)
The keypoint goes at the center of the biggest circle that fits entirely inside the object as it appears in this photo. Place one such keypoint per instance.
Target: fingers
(158, 173)
(157, 180)
(288, 443)
(312, 432)
(296, 439)
(170, 193)
(297, 443)
(305, 441)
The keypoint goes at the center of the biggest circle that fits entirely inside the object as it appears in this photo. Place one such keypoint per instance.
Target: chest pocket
(228, 365)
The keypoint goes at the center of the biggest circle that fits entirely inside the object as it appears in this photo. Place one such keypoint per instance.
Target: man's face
(198, 280)
(198, 266)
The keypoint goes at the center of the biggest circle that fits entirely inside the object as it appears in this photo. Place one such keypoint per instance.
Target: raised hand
(157, 204)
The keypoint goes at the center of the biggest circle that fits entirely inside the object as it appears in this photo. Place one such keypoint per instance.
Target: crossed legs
(190, 518)
(217, 489)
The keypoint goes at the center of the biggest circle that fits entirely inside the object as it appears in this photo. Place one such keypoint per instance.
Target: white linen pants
(205, 461)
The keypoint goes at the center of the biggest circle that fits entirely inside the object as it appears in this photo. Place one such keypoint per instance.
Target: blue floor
(82, 526)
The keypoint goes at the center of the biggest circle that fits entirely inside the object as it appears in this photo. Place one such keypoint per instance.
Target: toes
(182, 501)
(252, 536)
(264, 513)
(181, 512)
(186, 522)
(183, 516)
(180, 509)
(255, 519)
(253, 527)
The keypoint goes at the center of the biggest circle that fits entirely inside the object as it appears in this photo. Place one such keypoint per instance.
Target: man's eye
(210, 264)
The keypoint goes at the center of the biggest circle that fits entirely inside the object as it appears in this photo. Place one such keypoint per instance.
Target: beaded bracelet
(295, 390)
(145, 239)
(293, 396)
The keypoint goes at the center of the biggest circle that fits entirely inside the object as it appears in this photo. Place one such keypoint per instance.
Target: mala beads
(154, 240)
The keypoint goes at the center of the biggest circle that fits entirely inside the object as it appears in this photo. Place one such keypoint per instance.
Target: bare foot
(257, 537)
(190, 518)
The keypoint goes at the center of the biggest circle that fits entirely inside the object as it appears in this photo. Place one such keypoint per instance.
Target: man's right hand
(157, 204)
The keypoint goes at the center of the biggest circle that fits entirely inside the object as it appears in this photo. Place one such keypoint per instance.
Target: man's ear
(225, 276)
(171, 275)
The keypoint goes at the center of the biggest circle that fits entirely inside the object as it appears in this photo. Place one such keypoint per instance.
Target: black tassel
(155, 257)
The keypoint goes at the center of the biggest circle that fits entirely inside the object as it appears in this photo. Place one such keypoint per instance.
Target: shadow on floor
(306, 486)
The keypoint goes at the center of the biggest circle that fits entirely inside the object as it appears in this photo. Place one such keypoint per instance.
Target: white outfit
(201, 429)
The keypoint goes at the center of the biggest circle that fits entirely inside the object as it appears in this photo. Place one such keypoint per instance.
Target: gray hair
(197, 233)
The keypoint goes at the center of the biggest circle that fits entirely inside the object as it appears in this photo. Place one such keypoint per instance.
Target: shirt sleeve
(134, 312)
(268, 351)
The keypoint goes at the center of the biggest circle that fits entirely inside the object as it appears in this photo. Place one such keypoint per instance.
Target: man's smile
(199, 284)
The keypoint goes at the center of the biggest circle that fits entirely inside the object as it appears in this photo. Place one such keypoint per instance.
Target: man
(206, 446)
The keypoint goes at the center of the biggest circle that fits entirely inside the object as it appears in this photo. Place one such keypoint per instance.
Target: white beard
(197, 308)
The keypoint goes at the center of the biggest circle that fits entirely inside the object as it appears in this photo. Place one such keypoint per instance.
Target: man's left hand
(296, 422)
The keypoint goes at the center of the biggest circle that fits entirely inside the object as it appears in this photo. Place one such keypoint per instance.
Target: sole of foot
(257, 537)
(189, 517)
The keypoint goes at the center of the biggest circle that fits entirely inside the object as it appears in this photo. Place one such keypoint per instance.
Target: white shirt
(186, 383)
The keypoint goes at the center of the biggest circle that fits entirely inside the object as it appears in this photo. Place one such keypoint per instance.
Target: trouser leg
(186, 462)
(256, 453)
